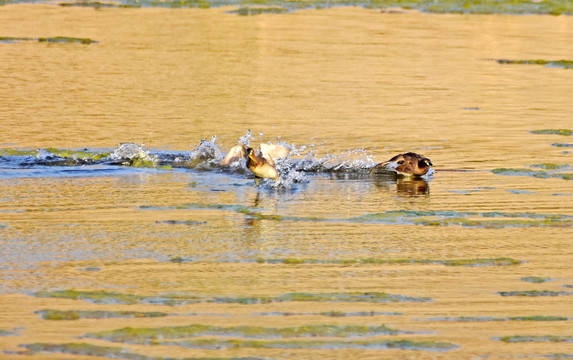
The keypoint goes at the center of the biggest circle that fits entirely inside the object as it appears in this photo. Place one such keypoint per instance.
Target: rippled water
(115, 249)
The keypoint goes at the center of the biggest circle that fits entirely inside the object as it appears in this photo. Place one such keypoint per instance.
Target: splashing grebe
(408, 164)
(261, 164)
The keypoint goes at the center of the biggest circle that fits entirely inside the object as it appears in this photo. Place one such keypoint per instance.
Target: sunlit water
(473, 261)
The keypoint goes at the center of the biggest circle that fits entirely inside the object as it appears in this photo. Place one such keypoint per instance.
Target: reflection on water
(404, 186)
(118, 250)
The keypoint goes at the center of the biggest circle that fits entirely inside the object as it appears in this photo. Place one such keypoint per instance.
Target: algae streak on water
(95, 314)
(156, 335)
(566, 64)
(535, 293)
(420, 345)
(491, 318)
(563, 132)
(56, 39)
(449, 262)
(103, 297)
(112, 352)
(539, 338)
(535, 279)
(552, 7)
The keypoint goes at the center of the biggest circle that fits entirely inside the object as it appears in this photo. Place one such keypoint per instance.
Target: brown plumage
(261, 167)
(408, 164)
(260, 163)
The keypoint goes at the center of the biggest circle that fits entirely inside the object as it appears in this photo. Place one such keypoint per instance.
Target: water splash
(246, 139)
(205, 156)
(132, 154)
(295, 168)
(347, 161)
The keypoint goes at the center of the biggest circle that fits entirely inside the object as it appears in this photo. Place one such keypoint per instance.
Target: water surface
(333, 263)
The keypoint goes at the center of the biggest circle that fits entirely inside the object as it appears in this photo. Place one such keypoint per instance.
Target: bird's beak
(428, 162)
(251, 155)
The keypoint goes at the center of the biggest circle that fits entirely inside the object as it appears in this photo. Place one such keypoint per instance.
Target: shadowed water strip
(103, 297)
(158, 335)
(103, 351)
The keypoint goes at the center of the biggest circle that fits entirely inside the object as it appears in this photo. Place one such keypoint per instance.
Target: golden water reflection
(333, 80)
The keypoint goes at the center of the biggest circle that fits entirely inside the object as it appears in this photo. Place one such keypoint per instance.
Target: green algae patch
(15, 152)
(550, 7)
(156, 335)
(359, 313)
(451, 262)
(95, 4)
(97, 297)
(550, 166)
(83, 349)
(559, 356)
(257, 10)
(493, 219)
(56, 39)
(67, 39)
(566, 64)
(540, 338)
(534, 293)
(374, 297)
(535, 279)
(80, 349)
(56, 157)
(104, 297)
(316, 344)
(482, 262)
(12, 39)
(489, 318)
(4, 332)
(96, 314)
(181, 222)
(540, 174)
(539, 318)
(77, 154)
(328, 313)
(562, 132)
(141, 163)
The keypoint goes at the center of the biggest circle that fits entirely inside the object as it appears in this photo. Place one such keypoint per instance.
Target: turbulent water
(115, 249)
(206, 156)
